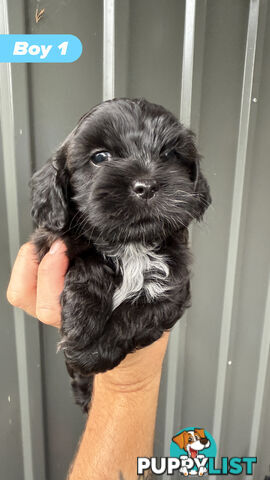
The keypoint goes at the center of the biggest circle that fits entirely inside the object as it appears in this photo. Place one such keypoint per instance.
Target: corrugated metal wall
(207, 61)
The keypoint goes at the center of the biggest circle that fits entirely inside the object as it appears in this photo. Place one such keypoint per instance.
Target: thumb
(50, 284)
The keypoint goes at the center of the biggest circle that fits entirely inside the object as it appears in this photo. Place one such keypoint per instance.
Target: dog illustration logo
(192, 441)
(194, 446)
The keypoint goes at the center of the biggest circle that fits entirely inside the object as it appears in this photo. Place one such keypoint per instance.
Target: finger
(21, 290)
(50, 284)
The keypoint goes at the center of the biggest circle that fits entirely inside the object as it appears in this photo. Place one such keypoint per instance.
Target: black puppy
(120, 191)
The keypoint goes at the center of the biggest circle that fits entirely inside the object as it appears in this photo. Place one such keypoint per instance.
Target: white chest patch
(142, 270)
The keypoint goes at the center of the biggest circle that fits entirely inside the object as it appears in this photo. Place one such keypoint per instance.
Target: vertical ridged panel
(108, 49)
(178, 335)
(8, 135)
(235, 223)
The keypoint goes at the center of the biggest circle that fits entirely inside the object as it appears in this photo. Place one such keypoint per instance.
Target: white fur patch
(143, 270)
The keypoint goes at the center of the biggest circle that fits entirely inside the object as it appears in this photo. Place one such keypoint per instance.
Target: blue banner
(39, 48)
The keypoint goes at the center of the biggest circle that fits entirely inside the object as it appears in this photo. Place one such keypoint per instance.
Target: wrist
(122, 416)
(138, 372)
(124, 382)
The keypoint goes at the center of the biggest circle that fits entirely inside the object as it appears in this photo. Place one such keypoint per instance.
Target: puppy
(121, 192)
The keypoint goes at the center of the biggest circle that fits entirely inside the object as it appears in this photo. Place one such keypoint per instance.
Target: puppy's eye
(99, 157)
(169, 155)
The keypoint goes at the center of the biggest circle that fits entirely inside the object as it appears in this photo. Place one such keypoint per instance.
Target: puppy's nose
(204, 440)
(145, 188)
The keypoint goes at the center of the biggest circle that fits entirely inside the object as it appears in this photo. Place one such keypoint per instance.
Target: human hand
(36, 288)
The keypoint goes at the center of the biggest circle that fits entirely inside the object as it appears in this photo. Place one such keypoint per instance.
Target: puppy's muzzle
(145, 188)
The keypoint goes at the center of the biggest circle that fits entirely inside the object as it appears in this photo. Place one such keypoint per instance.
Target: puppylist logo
(194, 447)
(193, 452)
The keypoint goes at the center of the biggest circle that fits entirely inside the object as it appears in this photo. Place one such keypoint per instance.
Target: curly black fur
(115, 237)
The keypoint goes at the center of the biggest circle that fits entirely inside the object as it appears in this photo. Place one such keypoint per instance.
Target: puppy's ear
(201, 191)
(49, 193)
(190, 152)
(200, 432)
(180, 439)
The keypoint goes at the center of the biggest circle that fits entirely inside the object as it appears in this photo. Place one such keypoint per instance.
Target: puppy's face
(133, 172)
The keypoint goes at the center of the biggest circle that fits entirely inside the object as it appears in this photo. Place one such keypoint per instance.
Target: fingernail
(55, 247)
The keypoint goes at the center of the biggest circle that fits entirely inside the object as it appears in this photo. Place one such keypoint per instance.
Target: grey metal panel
(251, 302)
(11, 459)
(23, 155)
(188, 61)
(59, 95)
(261, 189)
(108, 49)
(198, 64)
(28, 431)
(261, 380)
(14, 242)
(263, 466)
(218, 129)
(249, 308)
(236, 211)
(122, 40)
(177, 343)
(155, 51)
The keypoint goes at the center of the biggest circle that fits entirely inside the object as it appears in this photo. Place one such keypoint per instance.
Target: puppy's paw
(82, 388)
(81, 359)
(95, 357)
